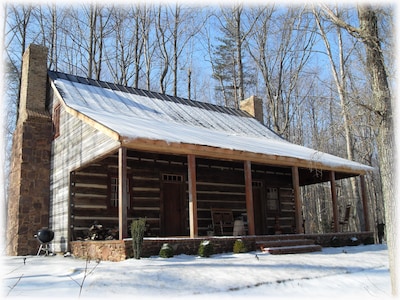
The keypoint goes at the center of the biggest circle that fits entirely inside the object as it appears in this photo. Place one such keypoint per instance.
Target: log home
(100, 152)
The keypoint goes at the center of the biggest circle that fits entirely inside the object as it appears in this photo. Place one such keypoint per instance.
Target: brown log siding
(220, 184)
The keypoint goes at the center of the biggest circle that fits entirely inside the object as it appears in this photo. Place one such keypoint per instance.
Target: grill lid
(45, 235)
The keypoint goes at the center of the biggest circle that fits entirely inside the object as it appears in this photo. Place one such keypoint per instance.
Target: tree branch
(355, 32)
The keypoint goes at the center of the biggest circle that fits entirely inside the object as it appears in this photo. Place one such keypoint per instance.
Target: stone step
(293, 249)
(284, 243)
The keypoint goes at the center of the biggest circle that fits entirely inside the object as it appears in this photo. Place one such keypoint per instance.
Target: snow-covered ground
(349, 272)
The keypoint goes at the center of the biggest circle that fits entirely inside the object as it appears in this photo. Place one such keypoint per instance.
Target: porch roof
(147, 120)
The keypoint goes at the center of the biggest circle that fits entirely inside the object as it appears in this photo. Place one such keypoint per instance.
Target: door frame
(262, 215)
(173, 178)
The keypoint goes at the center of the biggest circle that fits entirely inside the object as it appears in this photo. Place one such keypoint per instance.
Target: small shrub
(138, 228)
(205, 249)
(166, 251)
(239, 247)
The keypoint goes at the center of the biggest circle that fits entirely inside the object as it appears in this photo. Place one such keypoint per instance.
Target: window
(172, 178)
(272, 198)
(257, 184)
(114, 192)
(56, 121)
(114, 182)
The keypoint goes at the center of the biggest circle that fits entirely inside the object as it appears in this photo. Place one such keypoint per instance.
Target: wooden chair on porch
(344, 223)
(222, 221)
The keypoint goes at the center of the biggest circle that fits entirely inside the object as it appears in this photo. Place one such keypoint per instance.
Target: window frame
(272, 199)
(56, 120)
(112, 197)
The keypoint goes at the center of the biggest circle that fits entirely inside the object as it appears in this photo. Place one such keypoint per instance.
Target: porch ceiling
(309, 176)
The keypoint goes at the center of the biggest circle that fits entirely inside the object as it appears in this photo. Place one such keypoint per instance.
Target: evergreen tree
(230, 69)
(225, 70)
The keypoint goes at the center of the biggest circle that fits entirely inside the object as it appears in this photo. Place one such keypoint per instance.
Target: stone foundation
(116, 250)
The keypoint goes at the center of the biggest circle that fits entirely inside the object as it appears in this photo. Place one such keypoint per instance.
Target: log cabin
(91, 152)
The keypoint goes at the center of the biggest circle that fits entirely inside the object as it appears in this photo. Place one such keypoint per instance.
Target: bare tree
(147, 17)
(18, 20)
(98, 20)
(125, 59)
(163, 20)
(85, 31)
(281, 46)
(339, 76)
(368, 34)
(176, 25)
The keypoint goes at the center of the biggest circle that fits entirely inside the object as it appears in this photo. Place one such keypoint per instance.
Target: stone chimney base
(29, 193)
(29, 180)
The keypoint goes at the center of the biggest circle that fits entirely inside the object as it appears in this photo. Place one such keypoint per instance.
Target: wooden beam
(202, 151)
(122, 194)
(334, 202)
(364, 199)
(249, 197)
(192, 196)
(297, 200)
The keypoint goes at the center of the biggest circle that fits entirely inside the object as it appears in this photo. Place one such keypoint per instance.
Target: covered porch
(177, 193)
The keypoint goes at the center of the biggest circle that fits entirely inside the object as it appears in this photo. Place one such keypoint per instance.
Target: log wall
(220, 185)
(78, 144)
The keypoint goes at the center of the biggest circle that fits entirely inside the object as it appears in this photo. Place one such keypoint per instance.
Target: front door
(259, 208)
(173, 205)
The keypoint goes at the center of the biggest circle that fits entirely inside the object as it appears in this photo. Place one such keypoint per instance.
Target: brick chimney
(254, 107)
(29, 179)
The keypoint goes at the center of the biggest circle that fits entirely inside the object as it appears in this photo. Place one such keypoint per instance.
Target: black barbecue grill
(44, 236)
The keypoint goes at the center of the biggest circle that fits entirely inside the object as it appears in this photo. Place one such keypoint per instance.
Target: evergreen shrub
(205, 249)
(138, 228)
(239, 247)
(166, 251)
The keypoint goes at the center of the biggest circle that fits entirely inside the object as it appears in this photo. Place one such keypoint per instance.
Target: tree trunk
(384, 122)
(239, 41)
(368, 34)
(175, 55)
(340, 82)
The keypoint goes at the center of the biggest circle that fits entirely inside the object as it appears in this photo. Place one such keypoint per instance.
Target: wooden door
(173, 208)
(259, 215)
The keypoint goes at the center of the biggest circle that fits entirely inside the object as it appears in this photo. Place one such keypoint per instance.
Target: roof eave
(204, 151)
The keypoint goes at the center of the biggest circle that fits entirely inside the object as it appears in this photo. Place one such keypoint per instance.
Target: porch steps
(288, 246)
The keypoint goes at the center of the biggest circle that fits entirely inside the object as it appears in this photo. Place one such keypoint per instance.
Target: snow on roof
(138, 114)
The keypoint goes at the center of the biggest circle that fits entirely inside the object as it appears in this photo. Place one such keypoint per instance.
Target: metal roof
(136, 114)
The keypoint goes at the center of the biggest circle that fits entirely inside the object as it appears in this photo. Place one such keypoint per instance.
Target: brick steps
(288, 246)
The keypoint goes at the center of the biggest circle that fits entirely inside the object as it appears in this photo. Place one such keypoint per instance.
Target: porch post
(364, 202)
(249, 197)
(122, 194)
(192, 196)
(297, 200)
(334, 201)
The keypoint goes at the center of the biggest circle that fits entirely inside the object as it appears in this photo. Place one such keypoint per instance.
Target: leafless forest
(313, 66)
